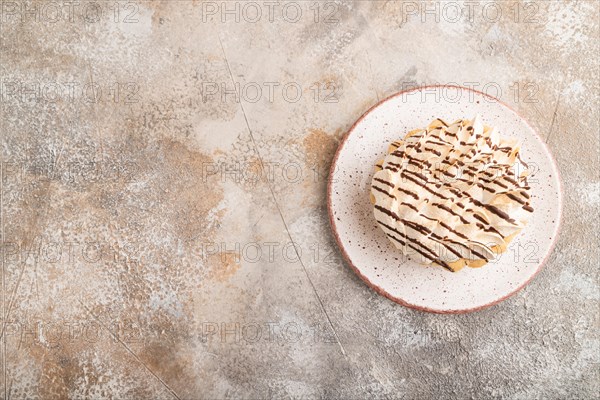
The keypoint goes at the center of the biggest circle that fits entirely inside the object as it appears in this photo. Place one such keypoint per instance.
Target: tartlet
(452, 195)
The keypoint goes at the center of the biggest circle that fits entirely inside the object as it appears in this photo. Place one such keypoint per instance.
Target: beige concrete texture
(163, 195)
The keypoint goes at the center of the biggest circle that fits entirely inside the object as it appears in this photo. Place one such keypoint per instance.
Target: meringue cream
(452, 195)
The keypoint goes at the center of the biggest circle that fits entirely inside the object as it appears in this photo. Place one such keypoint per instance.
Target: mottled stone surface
(150, 209)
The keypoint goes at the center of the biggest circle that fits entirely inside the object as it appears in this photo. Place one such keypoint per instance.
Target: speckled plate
(375, 259)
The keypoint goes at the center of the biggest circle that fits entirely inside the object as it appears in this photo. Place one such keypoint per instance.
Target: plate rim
(400, 301)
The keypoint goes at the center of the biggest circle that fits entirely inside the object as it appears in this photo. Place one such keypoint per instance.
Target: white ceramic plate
(375, 259)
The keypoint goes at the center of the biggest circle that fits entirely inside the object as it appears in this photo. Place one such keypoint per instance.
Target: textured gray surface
(146, 256)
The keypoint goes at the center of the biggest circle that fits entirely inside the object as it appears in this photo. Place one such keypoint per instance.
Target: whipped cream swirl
(453, 195)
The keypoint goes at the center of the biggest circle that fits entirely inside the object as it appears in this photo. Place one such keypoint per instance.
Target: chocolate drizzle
(468, 193)
(380, 190)
(384, 182)
(427, 253)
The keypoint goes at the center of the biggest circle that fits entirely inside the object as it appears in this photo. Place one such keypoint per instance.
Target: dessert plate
(375, 259)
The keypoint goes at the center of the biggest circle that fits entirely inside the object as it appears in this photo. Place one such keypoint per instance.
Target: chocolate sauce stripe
(489, 226)
(434, 151)
(402, 155)
(502, 149)
(488, 229)
(434, 258)
(408, 192)
(456, 253)
(448, 174)
(480, 218)
(481, 256)
(419, 184)
(459, 194)
(495, 182)
(410, 206)
(460, 235)
(494, 210)
(426, 217)
(384, 182)
(440, 239)
(521, 161)
(440, 139)
(449, 211)
(404, 236)
(423, 230)
(436, 142)
(418, 163)
(485, 187)
(420, 228)
(491, 208)
(515, 198)
(384, 192)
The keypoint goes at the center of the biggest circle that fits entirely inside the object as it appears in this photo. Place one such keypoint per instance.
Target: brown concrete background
(149, 216)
